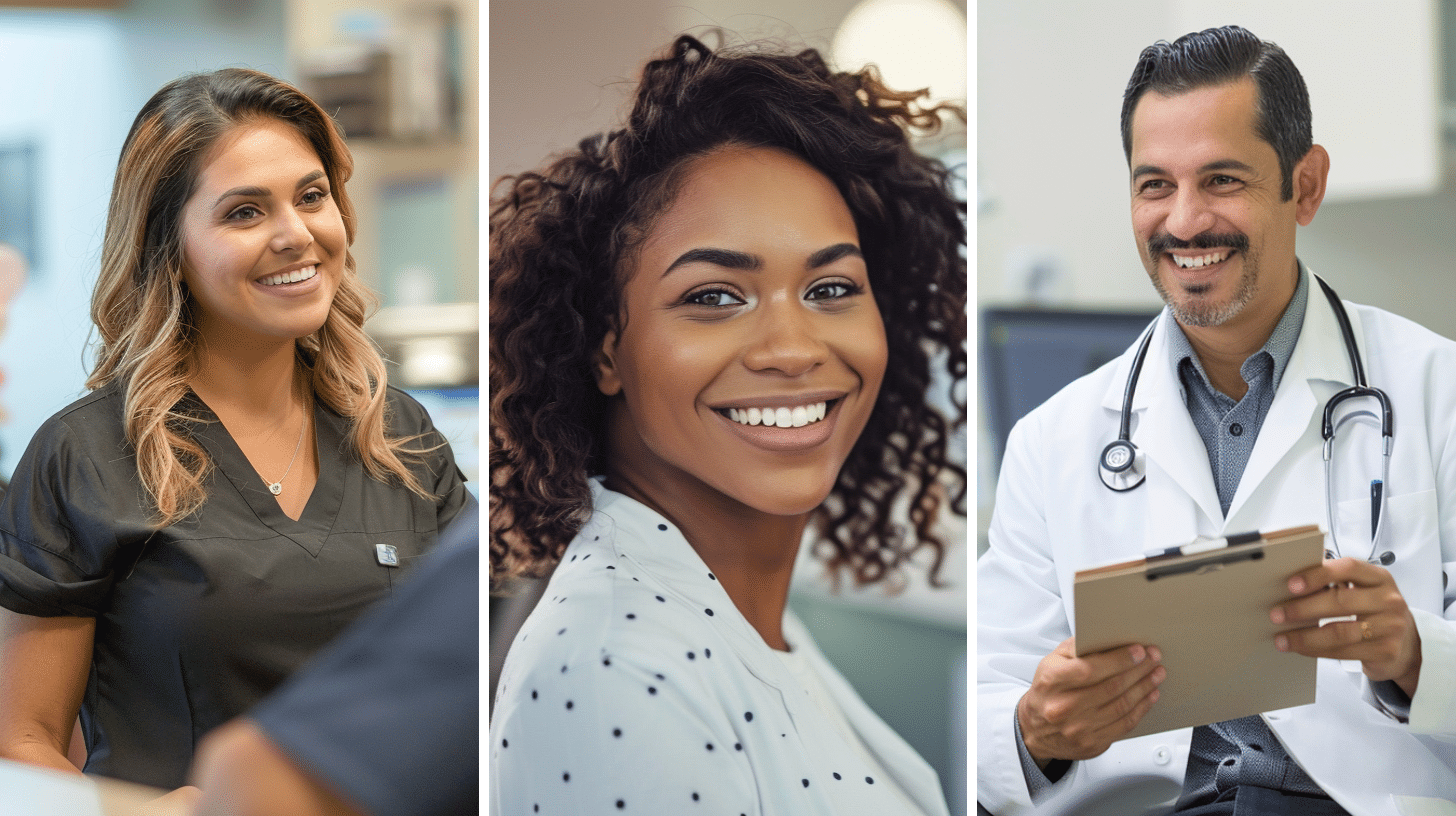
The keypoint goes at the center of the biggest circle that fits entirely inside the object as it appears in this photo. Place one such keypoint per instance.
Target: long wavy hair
(561, 237)
(144, 313)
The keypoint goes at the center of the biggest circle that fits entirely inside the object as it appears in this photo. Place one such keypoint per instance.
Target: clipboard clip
(1215, 560)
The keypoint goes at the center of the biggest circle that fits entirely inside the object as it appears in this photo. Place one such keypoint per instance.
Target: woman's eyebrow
(829, 255)
(263, 192)
(726, 258)
(250, 192)
(732, 259)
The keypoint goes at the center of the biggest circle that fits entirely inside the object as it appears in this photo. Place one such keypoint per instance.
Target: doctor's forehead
(1206, 124)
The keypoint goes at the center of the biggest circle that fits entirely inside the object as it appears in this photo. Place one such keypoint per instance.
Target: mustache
(1165, 242)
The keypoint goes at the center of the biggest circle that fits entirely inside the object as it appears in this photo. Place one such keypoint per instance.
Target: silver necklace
(277, 487)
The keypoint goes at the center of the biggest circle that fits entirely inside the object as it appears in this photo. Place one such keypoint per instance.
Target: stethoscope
(1121, 464)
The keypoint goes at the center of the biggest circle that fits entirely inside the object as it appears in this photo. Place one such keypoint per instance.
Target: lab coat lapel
(1182, 498)
(1317, 369)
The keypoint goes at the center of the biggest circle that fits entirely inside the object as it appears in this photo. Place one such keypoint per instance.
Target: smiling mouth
(296, 276)
(1199, 261)
(794, 416)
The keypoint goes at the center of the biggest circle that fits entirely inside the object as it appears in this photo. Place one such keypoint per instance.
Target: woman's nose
(292, 232)
(786, 341)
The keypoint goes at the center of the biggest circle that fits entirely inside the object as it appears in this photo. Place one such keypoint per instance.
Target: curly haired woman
(710, 330)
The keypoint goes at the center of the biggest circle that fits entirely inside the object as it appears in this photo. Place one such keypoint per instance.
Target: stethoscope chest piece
(1121, 465)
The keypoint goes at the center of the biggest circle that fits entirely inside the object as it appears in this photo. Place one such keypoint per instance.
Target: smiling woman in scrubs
(710, 330)
(240, 483)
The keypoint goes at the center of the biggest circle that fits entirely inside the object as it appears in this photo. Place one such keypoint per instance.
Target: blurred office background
(1058, 276)
(560, 71)
(400, 75)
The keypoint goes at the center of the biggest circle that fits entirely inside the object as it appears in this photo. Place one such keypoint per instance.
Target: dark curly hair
(560, 236)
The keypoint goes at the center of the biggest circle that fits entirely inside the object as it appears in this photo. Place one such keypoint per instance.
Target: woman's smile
(784, 429)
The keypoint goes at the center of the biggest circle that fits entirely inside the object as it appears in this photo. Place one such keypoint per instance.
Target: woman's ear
(604, 362)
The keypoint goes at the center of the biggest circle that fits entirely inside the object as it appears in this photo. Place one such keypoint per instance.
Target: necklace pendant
(275, 488)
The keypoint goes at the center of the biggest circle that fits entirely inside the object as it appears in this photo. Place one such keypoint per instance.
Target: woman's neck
(751, 553)
(262, 383)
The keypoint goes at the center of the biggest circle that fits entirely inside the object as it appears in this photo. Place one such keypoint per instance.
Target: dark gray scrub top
(389, 715)
(198, 621)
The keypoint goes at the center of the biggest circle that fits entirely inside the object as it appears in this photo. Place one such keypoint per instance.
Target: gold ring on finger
(1366, 630)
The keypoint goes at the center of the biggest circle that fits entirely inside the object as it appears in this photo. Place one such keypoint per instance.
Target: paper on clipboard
(1208, 612)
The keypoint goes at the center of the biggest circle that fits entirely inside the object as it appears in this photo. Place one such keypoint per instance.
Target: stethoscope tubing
(1119, 459)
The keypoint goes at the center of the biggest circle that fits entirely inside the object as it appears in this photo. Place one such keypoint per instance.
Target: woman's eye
(244, 213)
(713, 297)
(314, 196)
(833, 290)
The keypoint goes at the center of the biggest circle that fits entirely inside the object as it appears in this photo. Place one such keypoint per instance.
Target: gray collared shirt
(1229, 427)
(1242, 751)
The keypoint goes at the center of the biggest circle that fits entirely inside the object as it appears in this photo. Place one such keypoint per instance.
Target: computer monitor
(1027, 355)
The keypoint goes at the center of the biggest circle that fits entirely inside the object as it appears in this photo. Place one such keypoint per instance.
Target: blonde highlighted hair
(145, 315)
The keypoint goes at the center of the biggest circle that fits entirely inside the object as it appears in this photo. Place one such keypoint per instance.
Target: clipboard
(1205, 605)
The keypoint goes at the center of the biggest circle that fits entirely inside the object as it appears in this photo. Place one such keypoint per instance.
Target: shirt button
(1162, 755)
(1236, 429)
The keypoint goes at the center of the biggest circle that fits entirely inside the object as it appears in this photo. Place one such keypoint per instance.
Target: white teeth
(795, 417)
(290, 277)
(1198, 261)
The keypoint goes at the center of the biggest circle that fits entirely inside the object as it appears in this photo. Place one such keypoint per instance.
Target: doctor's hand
(1078, 706)
(1382, 637)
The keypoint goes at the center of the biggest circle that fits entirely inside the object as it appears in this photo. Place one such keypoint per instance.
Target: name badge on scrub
(387, 555)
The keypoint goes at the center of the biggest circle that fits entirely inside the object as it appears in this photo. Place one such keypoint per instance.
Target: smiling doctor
(1214, 423)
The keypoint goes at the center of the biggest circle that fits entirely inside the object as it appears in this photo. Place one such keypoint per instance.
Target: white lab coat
(1054, 516)
(636, 680)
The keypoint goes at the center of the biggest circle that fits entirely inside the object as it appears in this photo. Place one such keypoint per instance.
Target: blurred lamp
(915, 43)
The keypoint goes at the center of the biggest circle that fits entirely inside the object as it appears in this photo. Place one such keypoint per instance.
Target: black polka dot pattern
(595, 689)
